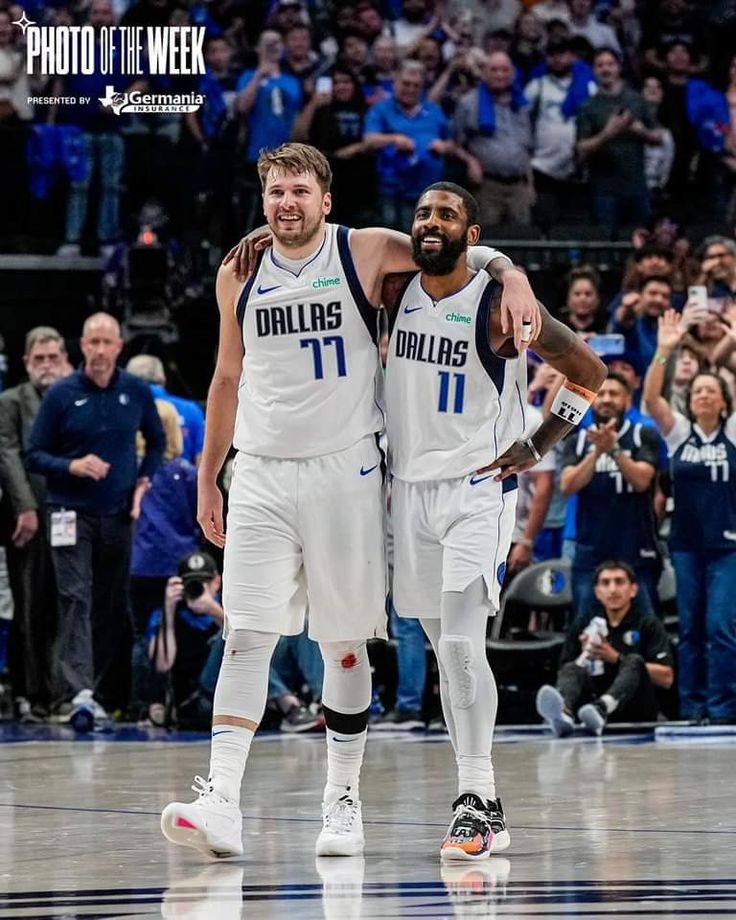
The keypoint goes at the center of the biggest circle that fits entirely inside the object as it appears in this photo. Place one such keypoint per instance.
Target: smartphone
(603, 345)
(698, 294)
(323, 85)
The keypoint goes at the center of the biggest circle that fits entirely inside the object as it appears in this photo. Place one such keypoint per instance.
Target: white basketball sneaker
(213, 825)
(342, 829)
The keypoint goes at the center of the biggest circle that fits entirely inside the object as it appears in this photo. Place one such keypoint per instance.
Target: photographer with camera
(185, 649)
(609, 665)
(185, 642)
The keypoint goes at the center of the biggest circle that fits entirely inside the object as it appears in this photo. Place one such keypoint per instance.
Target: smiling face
(612, 401)
(721, 260)
(295, 207)
(655, 299)
(440, 233)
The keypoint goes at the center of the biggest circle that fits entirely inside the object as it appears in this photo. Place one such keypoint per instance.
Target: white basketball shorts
(307, 532)
(447, 533)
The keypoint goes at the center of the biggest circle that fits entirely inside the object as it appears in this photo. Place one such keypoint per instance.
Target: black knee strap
(352, 723)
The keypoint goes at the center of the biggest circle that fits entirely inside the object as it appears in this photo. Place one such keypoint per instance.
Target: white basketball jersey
(311, 368)
(453, 405)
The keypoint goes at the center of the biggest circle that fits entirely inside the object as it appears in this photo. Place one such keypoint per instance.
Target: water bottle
(596, 630)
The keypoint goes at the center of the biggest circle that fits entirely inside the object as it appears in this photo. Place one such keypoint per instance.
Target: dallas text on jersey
(300, 317)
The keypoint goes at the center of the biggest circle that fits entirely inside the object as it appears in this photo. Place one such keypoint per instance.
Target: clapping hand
(603, 437)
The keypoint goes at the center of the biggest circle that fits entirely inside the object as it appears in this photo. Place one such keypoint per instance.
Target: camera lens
(193, 590)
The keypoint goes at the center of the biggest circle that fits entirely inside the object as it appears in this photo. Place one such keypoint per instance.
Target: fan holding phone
(334, 120)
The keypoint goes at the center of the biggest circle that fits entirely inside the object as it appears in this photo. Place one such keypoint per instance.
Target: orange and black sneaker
(469, 835)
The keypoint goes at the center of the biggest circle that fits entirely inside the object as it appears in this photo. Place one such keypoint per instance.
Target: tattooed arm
(566, 352)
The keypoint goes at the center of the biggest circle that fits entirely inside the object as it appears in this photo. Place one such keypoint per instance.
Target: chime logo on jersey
(459, 318)
(326, 282)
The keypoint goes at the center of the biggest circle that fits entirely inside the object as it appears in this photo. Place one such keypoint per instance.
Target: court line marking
(378, 822)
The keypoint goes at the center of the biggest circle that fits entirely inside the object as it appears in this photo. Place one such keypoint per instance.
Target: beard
(310, 229)
(441, 262)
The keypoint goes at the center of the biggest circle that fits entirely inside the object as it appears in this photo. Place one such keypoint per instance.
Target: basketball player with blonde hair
(295, 391)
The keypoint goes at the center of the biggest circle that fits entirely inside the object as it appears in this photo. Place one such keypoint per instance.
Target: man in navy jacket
(83, 442)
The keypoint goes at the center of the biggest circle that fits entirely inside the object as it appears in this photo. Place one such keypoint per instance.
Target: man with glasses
(719, 266)
(23, 501)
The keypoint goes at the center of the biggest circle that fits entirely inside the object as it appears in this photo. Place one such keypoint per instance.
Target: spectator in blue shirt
(269, 100)
(412, 138)
(191, 417)
(84, 442)
(638, 314)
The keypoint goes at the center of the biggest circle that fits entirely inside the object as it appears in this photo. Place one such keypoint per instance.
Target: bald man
(83, 442)
(492, 124)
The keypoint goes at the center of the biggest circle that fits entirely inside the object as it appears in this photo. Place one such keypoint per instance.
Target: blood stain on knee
(349, 661)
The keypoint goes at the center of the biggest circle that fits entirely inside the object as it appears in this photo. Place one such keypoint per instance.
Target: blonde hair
(297, 159)
(172, 429)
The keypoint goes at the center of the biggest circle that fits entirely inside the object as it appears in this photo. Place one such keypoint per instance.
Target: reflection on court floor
(628, 827)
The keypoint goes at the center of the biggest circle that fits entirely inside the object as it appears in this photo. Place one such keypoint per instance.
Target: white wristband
(479, 256)
(572, 402)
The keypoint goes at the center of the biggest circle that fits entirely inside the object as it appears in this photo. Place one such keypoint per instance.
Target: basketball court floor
(627, 826)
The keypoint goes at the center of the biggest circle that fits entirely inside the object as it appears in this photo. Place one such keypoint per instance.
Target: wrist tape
(572, 402)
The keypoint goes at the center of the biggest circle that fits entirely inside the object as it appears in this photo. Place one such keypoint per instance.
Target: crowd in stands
(608, 112)
(557, 113)
(117, 603)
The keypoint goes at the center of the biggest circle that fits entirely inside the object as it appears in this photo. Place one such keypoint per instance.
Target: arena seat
(527, 636)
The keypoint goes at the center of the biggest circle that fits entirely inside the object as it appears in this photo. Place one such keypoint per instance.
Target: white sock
(475, 774)
(344, 760)
(229, 752)
(609, 702)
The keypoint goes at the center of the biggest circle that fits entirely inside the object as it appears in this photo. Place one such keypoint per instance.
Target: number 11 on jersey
(446, 380)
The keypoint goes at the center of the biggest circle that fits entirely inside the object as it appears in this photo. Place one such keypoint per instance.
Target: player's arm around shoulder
(378, 252)
(392, 289)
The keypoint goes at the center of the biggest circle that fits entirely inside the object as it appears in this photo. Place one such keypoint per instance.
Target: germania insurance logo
(122, 103)
(124, 55)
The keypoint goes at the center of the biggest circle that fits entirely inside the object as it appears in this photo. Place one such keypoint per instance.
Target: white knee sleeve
(456, 656)
(347, 681)
(243, 682)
